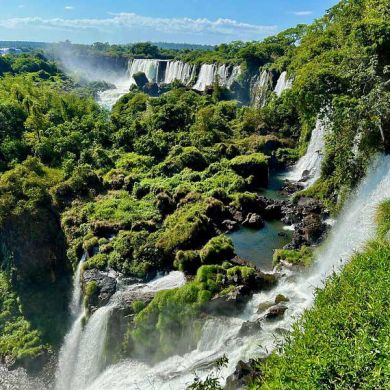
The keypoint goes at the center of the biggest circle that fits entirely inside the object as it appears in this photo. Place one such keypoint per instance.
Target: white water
(211, 73)
(355, 226)
(260, 88)
(308, 168)
(149, 67)
(109, 97)
(82, 356)
(66, 365)
(179, 70)
(282, 84)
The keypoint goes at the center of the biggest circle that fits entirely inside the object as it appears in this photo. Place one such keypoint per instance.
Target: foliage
(303, 256)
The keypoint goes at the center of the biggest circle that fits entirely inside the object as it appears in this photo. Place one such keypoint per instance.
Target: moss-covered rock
(253, 166)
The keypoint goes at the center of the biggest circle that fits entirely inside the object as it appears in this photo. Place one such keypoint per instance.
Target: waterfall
(206, 77)
(82, 356)
(66, 361)
(149, 67)
(282, 84)
(354, 227)
(90, 359)
(211, 73)
(179, 70)
(308, 167)
(262, 85)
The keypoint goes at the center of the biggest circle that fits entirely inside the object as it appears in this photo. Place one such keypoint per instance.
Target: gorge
(198, 218)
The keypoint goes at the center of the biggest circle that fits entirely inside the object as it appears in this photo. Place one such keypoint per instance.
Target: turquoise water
(258, 246)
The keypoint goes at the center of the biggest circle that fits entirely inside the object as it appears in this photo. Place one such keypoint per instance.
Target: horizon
(193, 22)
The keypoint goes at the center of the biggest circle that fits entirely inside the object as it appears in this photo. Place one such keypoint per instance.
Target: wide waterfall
(282, 84)
(355, 226)
(260, 89)
(308, 168)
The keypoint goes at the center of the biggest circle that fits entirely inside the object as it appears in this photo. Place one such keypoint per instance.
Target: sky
(126, 21)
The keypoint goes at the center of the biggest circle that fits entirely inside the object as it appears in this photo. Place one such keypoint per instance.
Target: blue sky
(122, 21)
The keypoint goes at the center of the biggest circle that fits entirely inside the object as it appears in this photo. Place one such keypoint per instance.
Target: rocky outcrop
(104, 287)
(243, 375)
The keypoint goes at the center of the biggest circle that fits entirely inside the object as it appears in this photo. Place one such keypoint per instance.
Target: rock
(254, 221)
(264, 306)
(237, 216)
(140, 79)
(281, 298)
(275, 312)
(249, 327)
(151, 89)
(231, 302)
(229, 224)
(244, 374)
(106, 286)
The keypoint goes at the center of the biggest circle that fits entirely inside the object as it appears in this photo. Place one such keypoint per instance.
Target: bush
(303, 256)
(217, 250)
(255, 165)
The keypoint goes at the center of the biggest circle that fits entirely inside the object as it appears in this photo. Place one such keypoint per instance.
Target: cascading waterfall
(353, 229)
(282, 84)
(82, 356)
(179, 70)
(211, 73)
(308, 169)
(66, 364)
(259, 91)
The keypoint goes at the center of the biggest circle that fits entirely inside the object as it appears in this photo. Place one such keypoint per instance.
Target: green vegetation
(18, 339)
(343, 341)
(172, 322)
(302, 256)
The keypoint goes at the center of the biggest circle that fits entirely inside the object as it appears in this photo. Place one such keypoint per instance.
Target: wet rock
(291, 187)
(229, 224)
(281, 298)
(254, 221)
(237, 216)
(264, 306)
(244, 374)
(140, 79)
(249, 327)
(233, 301)
(276, 312)
(105, 286)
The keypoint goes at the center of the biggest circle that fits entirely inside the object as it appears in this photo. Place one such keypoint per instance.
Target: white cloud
(69, 7)
(130, 22)
(302, 13)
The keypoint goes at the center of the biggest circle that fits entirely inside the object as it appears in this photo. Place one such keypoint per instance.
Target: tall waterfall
(282, 84)
(66, 364)
(260, 89)
(221, 335)
(308, 169)
(82, 357)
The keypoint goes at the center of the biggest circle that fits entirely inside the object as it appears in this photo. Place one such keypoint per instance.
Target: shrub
(217, 250)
